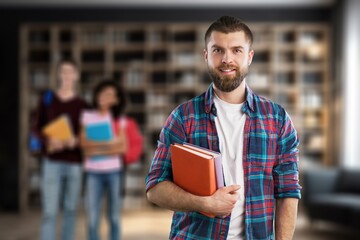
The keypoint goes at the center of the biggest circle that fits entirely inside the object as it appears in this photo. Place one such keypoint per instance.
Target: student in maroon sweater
(61, 166)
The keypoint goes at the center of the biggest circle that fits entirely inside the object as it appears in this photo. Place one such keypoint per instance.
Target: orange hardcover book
(217, 160)
(59, 128)
(193, 171)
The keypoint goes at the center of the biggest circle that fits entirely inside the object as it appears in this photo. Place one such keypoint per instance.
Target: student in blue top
(103, 159)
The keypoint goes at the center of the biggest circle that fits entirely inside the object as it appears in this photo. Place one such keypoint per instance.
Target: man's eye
(238, 50)
(216, 50)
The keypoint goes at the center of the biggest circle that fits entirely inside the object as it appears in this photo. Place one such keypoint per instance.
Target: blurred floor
(136, 225)
(154, 225)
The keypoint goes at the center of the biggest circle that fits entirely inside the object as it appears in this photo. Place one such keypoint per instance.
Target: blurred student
(61, 165)
(104, 159)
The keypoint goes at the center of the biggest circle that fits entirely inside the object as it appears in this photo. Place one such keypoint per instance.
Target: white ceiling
(170, 3)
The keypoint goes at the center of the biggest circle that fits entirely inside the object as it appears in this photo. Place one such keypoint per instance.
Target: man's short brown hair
(227, 24)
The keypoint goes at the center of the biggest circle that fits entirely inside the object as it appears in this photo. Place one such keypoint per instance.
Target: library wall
(161, 66)
(143, 65)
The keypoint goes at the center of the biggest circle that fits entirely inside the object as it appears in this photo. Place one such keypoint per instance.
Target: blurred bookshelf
(161, 65)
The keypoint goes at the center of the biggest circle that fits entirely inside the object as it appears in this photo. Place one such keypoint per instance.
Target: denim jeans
(96, 185)
(60, 180)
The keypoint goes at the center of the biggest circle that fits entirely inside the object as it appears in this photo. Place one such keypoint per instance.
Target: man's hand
(222, 202)
(168, 195)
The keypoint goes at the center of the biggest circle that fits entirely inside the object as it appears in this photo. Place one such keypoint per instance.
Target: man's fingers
(231, 189)
(234, 197)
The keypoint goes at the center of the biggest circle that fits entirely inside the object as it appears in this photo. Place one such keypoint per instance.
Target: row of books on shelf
(316, 143)
(290, 36)
(137, 77)
(258, 80)
(101, 37)
(157, 99)
(312, 100)
(179, 58)
(186, 79)
(185, 58)
(156, 120)
(134, 77)
(163, 35)
(313, 119)
(311, 37)
(263, 36)
(39, 78)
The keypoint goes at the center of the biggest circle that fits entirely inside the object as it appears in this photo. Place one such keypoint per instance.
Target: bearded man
(257, 141)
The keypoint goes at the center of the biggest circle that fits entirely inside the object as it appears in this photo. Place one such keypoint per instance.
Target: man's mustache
(229, 66)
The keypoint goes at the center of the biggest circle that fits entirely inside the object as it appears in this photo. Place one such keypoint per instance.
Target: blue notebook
(99, 132)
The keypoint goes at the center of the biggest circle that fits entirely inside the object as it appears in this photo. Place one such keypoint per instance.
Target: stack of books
(196, 170)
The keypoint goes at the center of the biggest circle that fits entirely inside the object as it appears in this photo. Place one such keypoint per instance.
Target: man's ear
(251, 55)
(205, 55)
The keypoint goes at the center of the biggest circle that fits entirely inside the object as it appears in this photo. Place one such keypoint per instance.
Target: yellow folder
(59, 128)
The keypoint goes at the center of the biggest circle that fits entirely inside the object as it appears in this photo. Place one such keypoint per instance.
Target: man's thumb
(232, 188)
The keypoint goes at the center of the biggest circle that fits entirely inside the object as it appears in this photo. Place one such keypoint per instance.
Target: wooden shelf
(128, 47)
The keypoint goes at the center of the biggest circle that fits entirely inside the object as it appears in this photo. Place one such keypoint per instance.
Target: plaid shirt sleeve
(285, 172)
(160, 169)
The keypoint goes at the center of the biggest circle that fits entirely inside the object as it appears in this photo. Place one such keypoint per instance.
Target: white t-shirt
(107, 163)
(230, 122)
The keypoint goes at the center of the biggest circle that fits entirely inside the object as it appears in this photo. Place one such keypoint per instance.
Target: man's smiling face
(228, 56)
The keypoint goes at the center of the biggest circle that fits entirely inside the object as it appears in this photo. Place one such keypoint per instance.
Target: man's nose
(227, 58)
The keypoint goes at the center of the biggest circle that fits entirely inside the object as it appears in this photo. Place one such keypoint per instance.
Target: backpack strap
(48, 97)
(35, 145)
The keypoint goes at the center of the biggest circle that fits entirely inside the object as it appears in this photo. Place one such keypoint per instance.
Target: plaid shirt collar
(209, 100)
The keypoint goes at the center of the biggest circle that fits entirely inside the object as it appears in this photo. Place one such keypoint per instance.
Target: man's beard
(228, 83)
